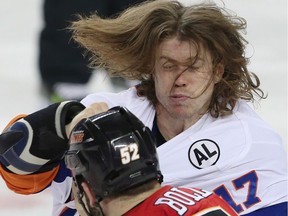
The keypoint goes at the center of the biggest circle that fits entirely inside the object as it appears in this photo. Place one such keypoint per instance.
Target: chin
(180, 113)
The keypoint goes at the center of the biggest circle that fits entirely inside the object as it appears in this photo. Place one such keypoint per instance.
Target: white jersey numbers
(129, 153)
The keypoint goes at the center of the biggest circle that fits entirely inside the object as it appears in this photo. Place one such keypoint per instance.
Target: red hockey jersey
(178, 201)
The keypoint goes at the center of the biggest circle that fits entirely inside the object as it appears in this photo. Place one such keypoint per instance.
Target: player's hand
(89, 111)
(38, 142)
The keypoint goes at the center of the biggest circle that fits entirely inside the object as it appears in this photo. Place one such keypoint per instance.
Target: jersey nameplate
(179, 200)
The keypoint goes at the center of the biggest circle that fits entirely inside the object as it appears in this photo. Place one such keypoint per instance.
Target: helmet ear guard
(113, 152)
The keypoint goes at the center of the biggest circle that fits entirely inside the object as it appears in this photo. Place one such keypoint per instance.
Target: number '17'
(251, 179)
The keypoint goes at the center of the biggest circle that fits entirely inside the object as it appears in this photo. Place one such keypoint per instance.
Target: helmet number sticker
(129, 153)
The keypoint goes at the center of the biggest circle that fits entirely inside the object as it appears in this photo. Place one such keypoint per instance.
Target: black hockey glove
(37, 142)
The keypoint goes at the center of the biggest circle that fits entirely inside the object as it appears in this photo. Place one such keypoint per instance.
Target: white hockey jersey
(239, 157)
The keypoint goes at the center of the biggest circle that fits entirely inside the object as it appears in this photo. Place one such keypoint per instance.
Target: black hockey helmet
(112, 151)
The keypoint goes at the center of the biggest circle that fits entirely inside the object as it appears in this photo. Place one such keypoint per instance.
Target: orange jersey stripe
(16, 118)
(28, 184)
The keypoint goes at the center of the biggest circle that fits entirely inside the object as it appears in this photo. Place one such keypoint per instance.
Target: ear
(219, 71)
(89, 193)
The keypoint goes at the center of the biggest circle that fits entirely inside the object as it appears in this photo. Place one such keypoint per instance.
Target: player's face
(183, 78)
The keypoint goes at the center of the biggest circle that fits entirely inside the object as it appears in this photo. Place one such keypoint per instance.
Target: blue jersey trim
(63, 173)
(69, 212)
(274, 210)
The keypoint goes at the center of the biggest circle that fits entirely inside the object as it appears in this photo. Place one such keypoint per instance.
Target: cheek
(209, 86)
(202, 78)
(158, 85)
(158, 79)
(161, 87)
(163, 82)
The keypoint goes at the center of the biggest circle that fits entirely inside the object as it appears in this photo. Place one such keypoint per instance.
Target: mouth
(178, 98)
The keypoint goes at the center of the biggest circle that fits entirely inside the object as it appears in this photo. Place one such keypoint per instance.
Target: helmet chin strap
(96, 210)
(82, 202)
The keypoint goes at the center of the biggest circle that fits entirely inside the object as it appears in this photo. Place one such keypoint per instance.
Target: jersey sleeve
(28, 184)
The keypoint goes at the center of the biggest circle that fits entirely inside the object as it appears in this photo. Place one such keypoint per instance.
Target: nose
(181, 77)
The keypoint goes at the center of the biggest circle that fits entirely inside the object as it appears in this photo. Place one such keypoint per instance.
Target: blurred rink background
(21, 22)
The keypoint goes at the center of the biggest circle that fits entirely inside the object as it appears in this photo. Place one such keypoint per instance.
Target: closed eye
(192, 68)
(168, 66)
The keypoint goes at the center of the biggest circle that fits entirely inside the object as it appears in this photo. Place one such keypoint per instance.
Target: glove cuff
(64, 114)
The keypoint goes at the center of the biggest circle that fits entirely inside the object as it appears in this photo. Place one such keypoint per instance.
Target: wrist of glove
(38, 142)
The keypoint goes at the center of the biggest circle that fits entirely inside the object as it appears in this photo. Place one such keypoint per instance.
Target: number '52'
(129, 153)
(251, 179)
